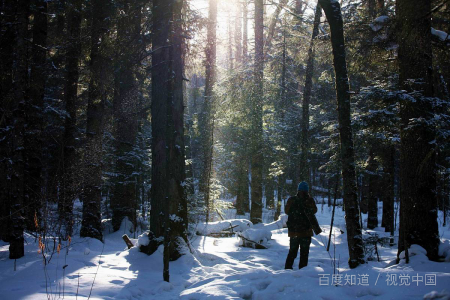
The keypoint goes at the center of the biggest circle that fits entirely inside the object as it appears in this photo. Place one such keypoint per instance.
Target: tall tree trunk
(161, 14)
(206, 122)
(230, 42)
(98, 91)
(242, 189)
(272, 25)
(332, 11)
(245, 30)
(169, 207)
(7, 106)
(283, 93)
(34, 116)
(372, 216)
(417, 153)
(20, 85)
(70, 185)
(388, 190)
(126, 113)
(257, 116)
(305, 148)
(238, 33)
(177, 175)
(269, 189)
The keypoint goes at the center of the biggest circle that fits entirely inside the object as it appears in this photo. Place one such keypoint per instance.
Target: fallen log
(228, 232)
(221, 234)
(251, 244)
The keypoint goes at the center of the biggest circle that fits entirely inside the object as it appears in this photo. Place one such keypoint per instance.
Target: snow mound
(143, 240)
(215, 227)
(279, 224)
(442, 35)
(126, 226)
(378, 23)
(413, 251)
(444, 250)
(444, 295)
(261, 236)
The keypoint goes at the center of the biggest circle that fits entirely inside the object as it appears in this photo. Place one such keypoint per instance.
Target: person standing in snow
(299, 227)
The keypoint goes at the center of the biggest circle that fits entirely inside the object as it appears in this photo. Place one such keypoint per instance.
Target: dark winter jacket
(298, 223)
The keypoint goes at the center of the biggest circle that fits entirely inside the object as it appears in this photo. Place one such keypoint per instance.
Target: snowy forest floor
(221, 269)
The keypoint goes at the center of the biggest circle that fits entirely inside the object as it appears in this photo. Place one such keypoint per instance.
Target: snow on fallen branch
(279, 224)
(233, 225)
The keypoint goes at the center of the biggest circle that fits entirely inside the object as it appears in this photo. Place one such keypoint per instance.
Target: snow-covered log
(236, 225)
(255, 238)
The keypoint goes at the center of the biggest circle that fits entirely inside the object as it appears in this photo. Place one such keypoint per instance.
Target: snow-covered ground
(221, 269)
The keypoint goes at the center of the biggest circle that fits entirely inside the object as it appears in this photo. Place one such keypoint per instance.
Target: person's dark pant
(295, 243)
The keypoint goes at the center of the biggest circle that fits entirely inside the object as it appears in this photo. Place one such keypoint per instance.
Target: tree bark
(34, 116)
(98, 92)
(245, 30)
(269, 189)
(372, 216)
(169, 206)
(272, 25)
(256, 118)
(388, 197)
(7, 106)
(126, 113)
(354, 236)
(205, 121)
(417, 153)
(161, 14)
(238, 33)
(70, 185)
(242, 189)
(305, 148)
(20, 85)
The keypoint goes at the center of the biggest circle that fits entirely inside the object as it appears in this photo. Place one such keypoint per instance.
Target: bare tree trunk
(205, 121)
(169, 206)
(69, 181)
(269, 189)
(372, 216)
(388, 199)
(305, 148)
(34, 116)
(20, 84)
(161, 14)
(238, 33)
(272, 25)
(417, 153)
(242, 189)
(98, 92)
(126, 113)
(332, 10)
(230, 43)
(7, 107)
(256, 118)
(245, 30)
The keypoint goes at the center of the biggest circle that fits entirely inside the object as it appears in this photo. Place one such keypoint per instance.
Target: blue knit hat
(303, 186)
